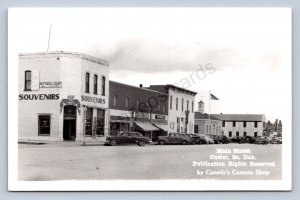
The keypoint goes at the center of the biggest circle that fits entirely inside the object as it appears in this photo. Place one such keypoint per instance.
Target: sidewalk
(61, 143)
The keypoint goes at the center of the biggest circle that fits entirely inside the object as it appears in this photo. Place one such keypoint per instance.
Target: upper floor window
(255, 124)
(176, 103)
(233, 123)
(171, 101)
(115, 100)
(182, 102)
(245, 124)
(223, 123)
(103, 86)
(138, 103)
(192, 106)
(187, 105)
(95, 84)
(87, 82)
(164, 108)
(28, 80)
(127, 101)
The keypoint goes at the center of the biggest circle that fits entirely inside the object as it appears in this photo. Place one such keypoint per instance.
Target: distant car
(197, 139)
(217, 140)
(205, 139)
(261, 140)
(249, 139)
(128, 138)
(276, 140)
(175, 138)
(238, 139)
(225, 139)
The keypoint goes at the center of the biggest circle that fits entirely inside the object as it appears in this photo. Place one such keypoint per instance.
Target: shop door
(69, 123)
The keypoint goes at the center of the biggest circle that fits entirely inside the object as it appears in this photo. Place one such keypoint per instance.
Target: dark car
(249, 139)
(128, 138)
(225, 139)
(261, 140)
(238, 139)
(205, 139)
(175, 138)
(196, 139)
(217, 140)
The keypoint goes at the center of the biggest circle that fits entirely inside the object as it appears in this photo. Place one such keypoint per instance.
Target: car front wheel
(183, 142)
(113, 142)
(141, 143)
(161, 142)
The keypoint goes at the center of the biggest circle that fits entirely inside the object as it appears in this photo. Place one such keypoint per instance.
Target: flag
(213, 97)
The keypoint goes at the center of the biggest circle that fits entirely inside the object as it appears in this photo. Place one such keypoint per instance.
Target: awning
(146, 126)
(163, 127)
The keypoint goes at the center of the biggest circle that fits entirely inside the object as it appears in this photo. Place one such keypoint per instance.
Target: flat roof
(167, 86)
(136, 87)
(240, 117)
(65, 53)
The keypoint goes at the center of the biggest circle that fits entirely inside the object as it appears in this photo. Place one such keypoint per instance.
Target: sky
(241, 55)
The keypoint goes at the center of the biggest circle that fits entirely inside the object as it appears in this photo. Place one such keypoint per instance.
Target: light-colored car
(207, 139)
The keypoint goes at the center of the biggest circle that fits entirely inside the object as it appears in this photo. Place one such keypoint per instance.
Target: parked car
(261, 140)
(225, 139)
(276, 140)
(175, 138)
(128, 138)
(205, 139)
(250, 139)
(216, 139)
(195, 138)
(238, 139)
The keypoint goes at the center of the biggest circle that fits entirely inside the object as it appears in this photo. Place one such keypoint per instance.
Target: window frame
(103, 85)
(95, 84)
(25, 80)
(87, 82)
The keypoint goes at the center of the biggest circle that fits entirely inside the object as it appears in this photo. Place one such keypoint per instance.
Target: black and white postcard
(149, 99)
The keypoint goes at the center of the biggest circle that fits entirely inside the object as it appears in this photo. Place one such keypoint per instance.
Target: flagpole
(209, 106)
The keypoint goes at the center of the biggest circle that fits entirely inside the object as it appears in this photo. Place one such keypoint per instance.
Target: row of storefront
(68, 96)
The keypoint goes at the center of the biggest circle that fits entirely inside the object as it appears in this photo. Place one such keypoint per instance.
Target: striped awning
(146, 126)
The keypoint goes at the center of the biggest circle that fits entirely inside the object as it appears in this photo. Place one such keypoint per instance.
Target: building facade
(137, 109)
(180, 108)
(242, 124)
(205, 124)
(63, 95)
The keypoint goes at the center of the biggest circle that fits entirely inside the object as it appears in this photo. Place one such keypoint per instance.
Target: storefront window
(100, 122)
(44, 125)
(89, 121)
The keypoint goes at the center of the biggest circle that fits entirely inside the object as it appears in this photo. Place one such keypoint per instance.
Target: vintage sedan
(261, 140)
(205, 139)
(128, 138)
(175, 138)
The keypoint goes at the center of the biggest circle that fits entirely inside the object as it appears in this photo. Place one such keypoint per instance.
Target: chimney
(141, 85)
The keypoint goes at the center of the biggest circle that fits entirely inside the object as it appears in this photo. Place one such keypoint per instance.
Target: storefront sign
(92, 99)
(51, 84)
(38, 96)
(142, 115)
(161, 117)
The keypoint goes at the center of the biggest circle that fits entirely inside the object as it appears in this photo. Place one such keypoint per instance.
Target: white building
(56, 91)
(242, 124)
(180, 107)
(205, 124)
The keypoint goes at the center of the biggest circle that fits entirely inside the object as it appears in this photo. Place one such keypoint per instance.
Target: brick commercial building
(137, 109)
(61, 96)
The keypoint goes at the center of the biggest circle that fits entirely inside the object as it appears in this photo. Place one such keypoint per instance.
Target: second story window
(87, 82)
(255, 124)
(164, 108)
(176, 103)
(27, 80)
(95, 84)
(115, 100)
(171, 99)
(182, 102)
(103, 86)
(245, 124)
(127, 101)
(187, 105)
(223, 123)
(233, 123)
(192, 106)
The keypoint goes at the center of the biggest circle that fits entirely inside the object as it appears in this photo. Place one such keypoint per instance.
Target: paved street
(65, 161)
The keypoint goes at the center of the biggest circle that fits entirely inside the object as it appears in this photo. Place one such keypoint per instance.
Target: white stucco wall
(173, 113)
(249, 129)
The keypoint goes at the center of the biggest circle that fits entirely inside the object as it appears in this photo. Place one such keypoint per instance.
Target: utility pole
(49, 37)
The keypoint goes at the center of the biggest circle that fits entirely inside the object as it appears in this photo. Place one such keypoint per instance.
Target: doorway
(69, 126)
